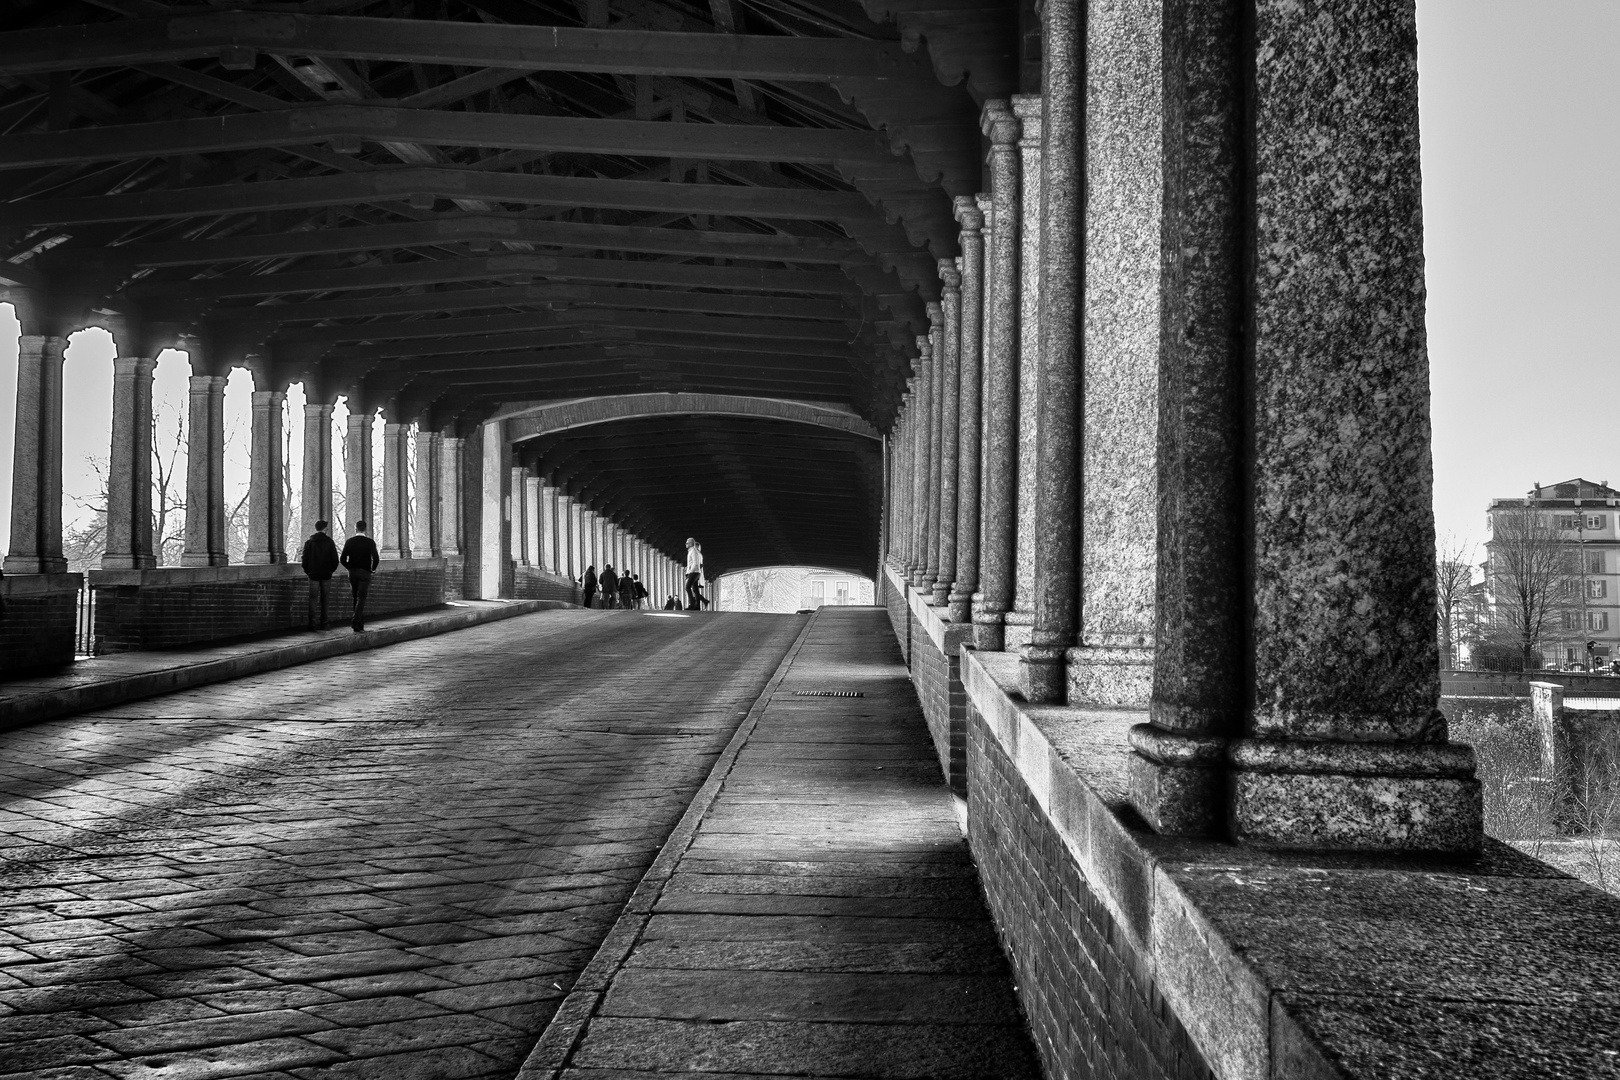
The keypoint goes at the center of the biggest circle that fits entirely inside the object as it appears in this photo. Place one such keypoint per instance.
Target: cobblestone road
(389, 865)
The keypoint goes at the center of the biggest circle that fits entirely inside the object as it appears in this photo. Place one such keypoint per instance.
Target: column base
(989, 632)
(1116, 676)
(128, 562)
(1041, 675)
(1178, 782)
(397, 554)
(1412, 797)
(32, 564)
(200, 558)
(961, 607)
(264, 558)
(1019, 626)
(941, 594)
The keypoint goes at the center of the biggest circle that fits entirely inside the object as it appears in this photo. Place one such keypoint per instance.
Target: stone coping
(1299, 964)
(945, 635)
(119, 677)
(236, 572)
(20, 585)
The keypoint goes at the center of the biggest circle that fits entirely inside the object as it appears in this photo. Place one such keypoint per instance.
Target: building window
(1572, 620)
(1594, 562)
(1595, 521)
(1597, 590)
(818, 593)
(1566, 521)
(1597, 620)
(842, 594)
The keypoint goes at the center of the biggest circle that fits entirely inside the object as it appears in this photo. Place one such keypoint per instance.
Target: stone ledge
(17, 586)
(99, 684)
(946, 636)
(1299, 964)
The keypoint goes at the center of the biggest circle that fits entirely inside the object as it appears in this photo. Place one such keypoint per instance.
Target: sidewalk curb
(48, 705)
(550, 1055)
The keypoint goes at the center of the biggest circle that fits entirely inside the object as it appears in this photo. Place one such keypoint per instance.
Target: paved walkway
(823, 919)
(110, 680)
(386, 865)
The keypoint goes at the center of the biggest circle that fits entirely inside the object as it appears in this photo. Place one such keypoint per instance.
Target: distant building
(1586, 517)
(787, 589)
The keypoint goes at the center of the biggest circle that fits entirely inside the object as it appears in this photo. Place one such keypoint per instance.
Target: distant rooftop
(1566, 491)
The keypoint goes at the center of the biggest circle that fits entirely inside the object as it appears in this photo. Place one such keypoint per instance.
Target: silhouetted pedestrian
(589, 584)
(609, 581)
(672, 604)
(627, 592)
(360, 559)
(320, 561)
(694, 575)
(641, 590)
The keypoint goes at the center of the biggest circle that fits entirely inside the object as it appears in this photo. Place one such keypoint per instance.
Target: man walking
(694, 574)
(608, 579)
(360, 559)
(320, 562)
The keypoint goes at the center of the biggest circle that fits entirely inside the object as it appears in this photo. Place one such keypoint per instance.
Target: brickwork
(169, 608)
(535, 584)
(1093, 1006)
(937, 675)
(894, 599)
(37, 621)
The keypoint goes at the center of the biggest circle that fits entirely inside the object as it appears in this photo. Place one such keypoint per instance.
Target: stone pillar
(999, 497)
(1112, 663)
(922, 445)
(394, 538)
(494, 537)
(425, 503)
(533, 511)
(576, 539)
(129, 467)
(205, 474)
(1027, 109)
(520, 516)
(548, 529)
(1042, 666)
(950, 431)
(357, 494)
(36, 477)
(940, 376)
(316, 503)
(267, 500)
(450, 517)
(970, 338)
(1306, 437)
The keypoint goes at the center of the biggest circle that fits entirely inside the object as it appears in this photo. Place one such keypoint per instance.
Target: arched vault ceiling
(756, 492)
(444, 206)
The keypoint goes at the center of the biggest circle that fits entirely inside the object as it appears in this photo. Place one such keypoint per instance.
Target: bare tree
(84, 546)
(1454, 573)
(756, 584)
(168, 483)
(1532, 578)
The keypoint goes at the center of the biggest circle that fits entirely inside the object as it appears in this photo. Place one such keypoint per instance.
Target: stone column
(36, 476)
(316, 503)
(1112, 663)
(1295, 516)
(922, 443)
(999, 483)
(1042, 666)
(1027, 109)
(450, 518)
(534, 512)
(267, 501)
(941, 375)
(970, 338)
(425, 504)
(949, 426)
(394, 539)
(129, 467)
(576, 539)
(357, 494)
(205, 474)
(520, 516)
(548, 528)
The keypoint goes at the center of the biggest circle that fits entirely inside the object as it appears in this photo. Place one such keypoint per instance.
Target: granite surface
(1027, 108)
(950, 428)
(970, 373)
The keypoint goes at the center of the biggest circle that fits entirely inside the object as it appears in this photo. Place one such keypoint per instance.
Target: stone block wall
(1092, 1003)
(38, 620)
(532, 583)
(173, 607)
(892, 595)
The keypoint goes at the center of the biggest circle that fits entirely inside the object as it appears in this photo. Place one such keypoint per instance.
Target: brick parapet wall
(932, 649)
(38, 621)
(532, 583)
(171, 607)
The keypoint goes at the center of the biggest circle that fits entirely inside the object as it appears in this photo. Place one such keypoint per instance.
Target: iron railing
(84, 636)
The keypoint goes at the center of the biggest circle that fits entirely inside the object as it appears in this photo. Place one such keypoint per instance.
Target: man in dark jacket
(609, 580)
(320, 562)
(360, 559)
(589, 585)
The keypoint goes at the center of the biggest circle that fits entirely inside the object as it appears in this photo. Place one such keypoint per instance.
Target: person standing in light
(695, 600)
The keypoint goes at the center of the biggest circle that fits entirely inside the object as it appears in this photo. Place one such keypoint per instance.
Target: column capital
(951, 275)
(968, 214)
(134, 366)
(999, 123)
(1027, 109)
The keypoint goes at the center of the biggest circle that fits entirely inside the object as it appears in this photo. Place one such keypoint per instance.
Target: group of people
(321, 559)
(617, 590)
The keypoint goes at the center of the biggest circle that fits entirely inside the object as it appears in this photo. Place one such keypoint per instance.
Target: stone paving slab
(818, 916)
(388, 865)
(105, 681)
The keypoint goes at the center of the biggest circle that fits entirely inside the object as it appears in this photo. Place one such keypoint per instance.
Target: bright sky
(1521, 147)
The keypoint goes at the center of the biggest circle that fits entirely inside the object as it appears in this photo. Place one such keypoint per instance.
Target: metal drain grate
(828, 693)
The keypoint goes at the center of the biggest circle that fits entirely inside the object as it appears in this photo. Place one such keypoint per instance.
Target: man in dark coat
(641, 590)
(627, 591)
(360, 559)
(610, 586)
(320, 562)
(588, 585)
